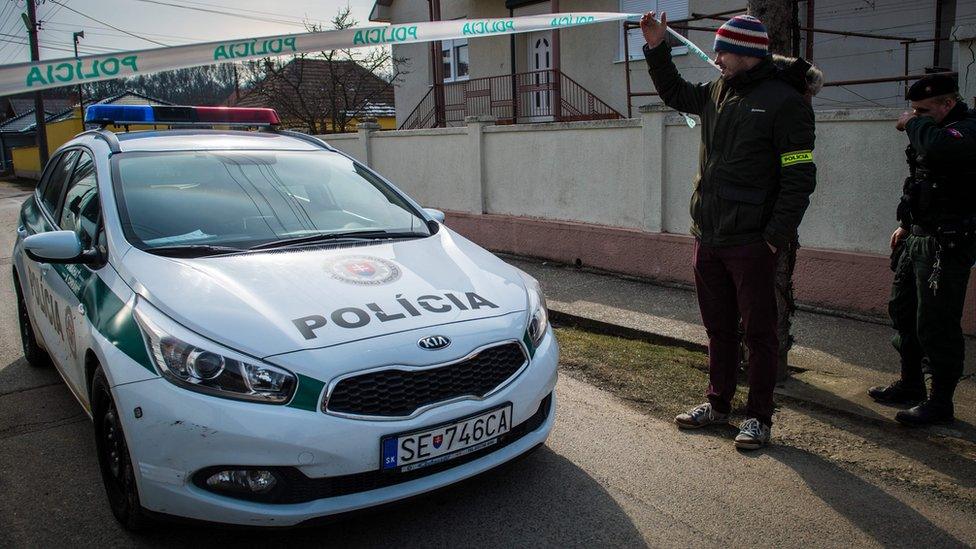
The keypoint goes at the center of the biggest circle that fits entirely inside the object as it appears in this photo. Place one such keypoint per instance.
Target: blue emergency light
(122, 115)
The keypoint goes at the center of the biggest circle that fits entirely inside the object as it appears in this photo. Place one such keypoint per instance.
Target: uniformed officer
(934, 249)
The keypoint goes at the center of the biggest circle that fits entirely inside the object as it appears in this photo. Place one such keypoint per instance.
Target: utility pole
(30, 19)
(81, 99)
(437, 66)
(237, 86)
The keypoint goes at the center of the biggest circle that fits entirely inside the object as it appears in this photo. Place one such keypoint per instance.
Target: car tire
(114, 459)
(36, 356)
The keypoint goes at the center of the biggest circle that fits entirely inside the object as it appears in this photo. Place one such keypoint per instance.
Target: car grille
(400, 393)
(298, 488)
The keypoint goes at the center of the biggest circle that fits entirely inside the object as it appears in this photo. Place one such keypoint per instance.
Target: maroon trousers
(731, 282)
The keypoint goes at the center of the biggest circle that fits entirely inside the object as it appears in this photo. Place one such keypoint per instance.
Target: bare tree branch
(327, 91)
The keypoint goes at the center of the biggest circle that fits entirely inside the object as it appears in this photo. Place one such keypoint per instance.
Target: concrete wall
(427, 164)
(964, 44)
(614, 195)
(635, 174)
(556, 181)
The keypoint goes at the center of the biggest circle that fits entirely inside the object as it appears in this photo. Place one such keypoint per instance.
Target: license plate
(409, 451)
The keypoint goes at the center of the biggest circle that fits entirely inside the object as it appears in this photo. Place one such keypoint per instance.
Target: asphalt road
(609, 476)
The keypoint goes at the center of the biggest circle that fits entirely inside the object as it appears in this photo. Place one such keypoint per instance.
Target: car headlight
(196, 363)
(538, 313)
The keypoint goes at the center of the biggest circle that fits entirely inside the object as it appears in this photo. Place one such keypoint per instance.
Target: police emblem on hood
(363, 270)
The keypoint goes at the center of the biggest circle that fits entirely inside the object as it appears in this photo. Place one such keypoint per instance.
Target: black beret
(932, 86)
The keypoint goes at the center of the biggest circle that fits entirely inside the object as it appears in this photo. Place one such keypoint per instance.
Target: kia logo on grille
(433, 343)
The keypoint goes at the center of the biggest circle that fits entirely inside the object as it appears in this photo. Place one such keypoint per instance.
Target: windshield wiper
(350, 235)
(192, 250)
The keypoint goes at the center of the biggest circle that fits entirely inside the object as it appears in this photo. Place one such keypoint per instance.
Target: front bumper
(182, 432)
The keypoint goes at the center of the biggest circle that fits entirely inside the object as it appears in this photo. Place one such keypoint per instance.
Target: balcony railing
(540, 96)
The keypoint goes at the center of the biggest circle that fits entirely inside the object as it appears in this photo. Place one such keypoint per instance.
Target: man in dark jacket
(755, 177)
(935, 247)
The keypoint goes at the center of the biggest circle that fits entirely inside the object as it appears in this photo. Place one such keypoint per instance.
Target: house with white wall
(584, 65)
(613, 192)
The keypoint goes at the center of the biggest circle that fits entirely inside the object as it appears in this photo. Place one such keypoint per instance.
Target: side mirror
(57, 247)
(436, 214)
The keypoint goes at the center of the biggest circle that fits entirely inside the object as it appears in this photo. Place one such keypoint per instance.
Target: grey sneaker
(700, 416)
(753, 434)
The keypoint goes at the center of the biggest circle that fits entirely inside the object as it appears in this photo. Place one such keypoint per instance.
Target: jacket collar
(795, 74)
(960, 111)
(749, 79)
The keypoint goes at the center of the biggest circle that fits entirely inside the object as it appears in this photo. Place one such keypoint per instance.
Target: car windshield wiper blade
(193, 250)
(351, 235)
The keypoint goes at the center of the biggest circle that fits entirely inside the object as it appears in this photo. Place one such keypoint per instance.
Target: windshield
(242, 199)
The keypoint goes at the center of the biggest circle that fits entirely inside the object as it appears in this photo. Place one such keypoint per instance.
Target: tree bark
(778, 17)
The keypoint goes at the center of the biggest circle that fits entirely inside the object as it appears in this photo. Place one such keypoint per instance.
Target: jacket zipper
(718, 153)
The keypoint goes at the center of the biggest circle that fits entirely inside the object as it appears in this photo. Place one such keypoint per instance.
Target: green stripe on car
(307, 394)
(113, 318)
(108, 314)
(527, 339)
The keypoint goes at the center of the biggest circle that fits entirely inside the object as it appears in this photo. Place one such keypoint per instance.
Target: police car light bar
(121, 115)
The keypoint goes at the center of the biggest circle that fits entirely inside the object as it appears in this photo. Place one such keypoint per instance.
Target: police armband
(796, 157)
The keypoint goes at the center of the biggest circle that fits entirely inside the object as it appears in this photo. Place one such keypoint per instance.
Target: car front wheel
(114, 461)
(35, 355)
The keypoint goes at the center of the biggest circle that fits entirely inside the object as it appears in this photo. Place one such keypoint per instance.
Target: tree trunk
(785, 307)
(778, 17)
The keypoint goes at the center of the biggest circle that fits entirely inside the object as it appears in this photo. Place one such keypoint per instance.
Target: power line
(72, 27)
(86, 16)
(52, 12)
(921, 32)
(861, 96)
(11, 25)
(9, 6)
(47, 47)
(10, 17)
(87, 45)
(48, 44)
(219, 12)
(855, 54)
(297, 19)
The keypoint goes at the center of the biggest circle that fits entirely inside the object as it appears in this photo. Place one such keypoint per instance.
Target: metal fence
(539, 96)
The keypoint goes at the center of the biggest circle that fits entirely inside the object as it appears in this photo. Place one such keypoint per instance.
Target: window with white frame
(454, 56)
(677, 10)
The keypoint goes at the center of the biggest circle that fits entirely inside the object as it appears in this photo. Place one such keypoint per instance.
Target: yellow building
(60, 127)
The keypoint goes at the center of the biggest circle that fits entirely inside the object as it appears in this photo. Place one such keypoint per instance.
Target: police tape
(72, 71)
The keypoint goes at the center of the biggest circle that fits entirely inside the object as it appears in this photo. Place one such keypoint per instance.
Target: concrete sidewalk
(834, 359)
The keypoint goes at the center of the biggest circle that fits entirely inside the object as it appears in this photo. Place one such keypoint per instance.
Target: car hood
(282, 301)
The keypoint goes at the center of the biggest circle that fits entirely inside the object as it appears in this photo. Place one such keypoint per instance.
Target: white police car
(264, 330)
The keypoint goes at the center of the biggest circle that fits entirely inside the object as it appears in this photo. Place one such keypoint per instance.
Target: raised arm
(677, 93)
(940, 144)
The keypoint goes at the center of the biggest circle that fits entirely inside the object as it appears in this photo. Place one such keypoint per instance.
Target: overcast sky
(161, 21)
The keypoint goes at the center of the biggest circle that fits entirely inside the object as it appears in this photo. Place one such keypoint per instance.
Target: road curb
(608, 328)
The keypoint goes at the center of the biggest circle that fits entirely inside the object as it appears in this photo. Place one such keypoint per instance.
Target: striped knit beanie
(744, 35)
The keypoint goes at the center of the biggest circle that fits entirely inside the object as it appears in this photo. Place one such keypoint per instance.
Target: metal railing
(810, 31)
(539, 96)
